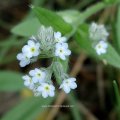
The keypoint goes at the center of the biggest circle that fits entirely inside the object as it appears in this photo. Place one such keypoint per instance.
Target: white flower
(24, 59)
(32, 49)
(59, 38)
(62, 50)
(98, 32)
(68, 84)
(28, 81)
(37, 75)
(46, 90)
(101, 47)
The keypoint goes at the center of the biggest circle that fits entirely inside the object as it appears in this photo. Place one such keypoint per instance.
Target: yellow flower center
(61, 51)
(39, 74)
(30, 80)
(32, 49)
(67, 82)
(99, 46)
(47, 88)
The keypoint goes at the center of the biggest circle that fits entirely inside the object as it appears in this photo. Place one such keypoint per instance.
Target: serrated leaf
(28, 109)
(82, 38)
(49, 18)
(10, 81)
(27, 28)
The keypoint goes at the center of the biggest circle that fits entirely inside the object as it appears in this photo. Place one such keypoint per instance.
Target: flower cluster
(99, 35)
(29, 52)
(36, 81)
(47, 44)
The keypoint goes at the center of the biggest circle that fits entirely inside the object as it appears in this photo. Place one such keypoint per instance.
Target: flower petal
(51, 93)
(31, 43)
(35, 79)
(73, 85)
(66, 89)
(32, 72)
(44, 94)
(20, 56)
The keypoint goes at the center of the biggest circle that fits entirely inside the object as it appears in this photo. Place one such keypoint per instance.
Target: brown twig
(86, 112)
(100, 84)
(61, 97)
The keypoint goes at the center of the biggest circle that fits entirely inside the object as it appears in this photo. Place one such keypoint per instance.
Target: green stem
(117, 95)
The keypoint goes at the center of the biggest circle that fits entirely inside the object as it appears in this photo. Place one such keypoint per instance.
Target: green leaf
(83, 41)
(82, 38)
(49, 18)
(28, 109)
(60, 21)
(117, 95)
(27, 28)
(70, 16)
(75, 17)
(92, 10)
(10, 81)
(81, 17)
(111, 1)
(116, 89)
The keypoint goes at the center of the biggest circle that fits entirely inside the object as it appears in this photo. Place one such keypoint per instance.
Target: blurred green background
(95, 97)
